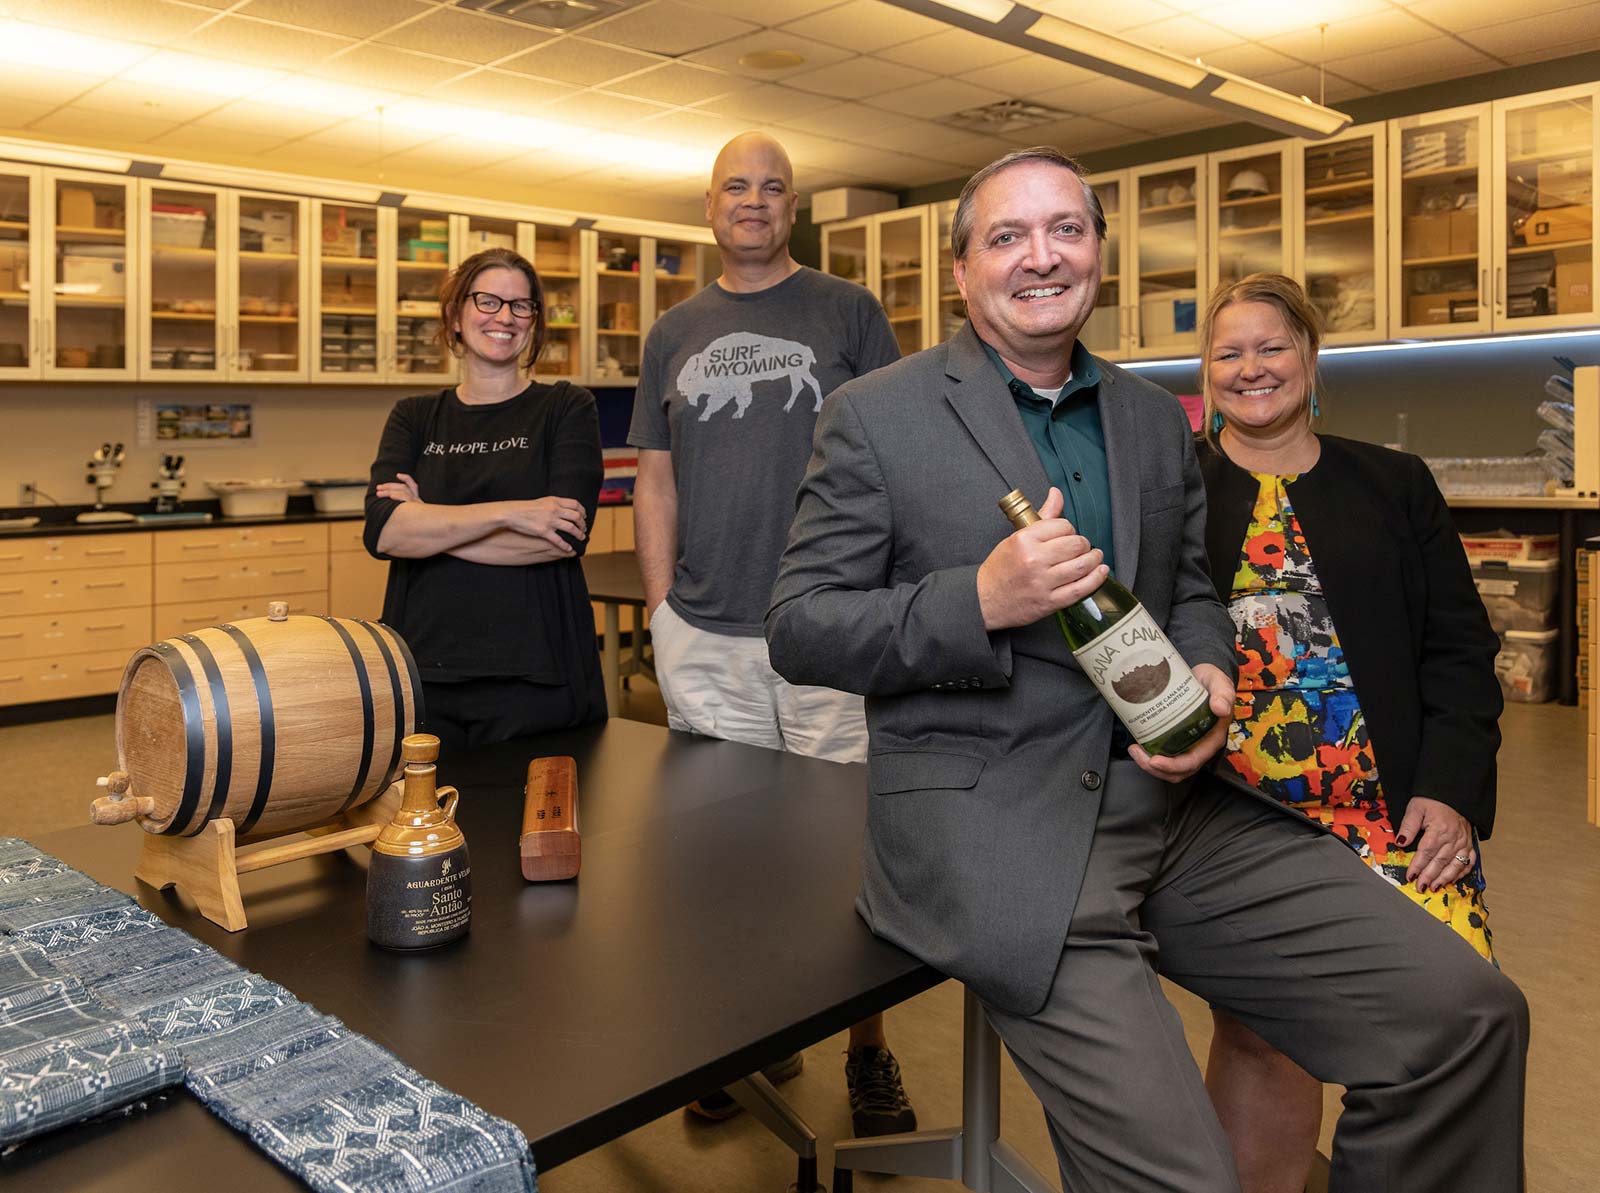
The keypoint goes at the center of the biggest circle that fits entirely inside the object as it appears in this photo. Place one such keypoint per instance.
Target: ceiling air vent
(1004, 116)
(557, 16)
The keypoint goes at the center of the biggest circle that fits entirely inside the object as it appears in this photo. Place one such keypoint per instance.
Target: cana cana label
(1143, 679)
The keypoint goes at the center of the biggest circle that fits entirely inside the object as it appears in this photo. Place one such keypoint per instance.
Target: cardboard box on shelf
(1453, 306)
(1427, 235)
(340, 240)
(1464, 231)
(13, 267)
(434, 230)
(75, 207)
(1581, 565)
(619, 316)
(277, 242)
(1574, 284)
(1510, 548)
(1561, 128)
(1566, 181)
(478, 239)
(105, 274)
(1558, 223)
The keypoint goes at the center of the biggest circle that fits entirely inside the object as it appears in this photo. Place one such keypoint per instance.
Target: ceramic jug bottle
(419, 886)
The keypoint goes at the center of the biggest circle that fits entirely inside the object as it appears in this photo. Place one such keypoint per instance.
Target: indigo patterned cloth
(328, 1104)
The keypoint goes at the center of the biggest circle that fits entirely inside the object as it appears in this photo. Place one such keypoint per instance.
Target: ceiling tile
(154, 22)
(1083, 133)
(1551, 34)
(220, 145)
(450, 154)
(395, 70)
(678, 83)
(936, 99)
(1185, 36)
(1581, 47)
(1263, 19)
(950, 145)
(267, 119)
(348, 20)
(116, 95)
(316, 158)
(692, 127)
(1029, 75)
(850, 122)
(496, 89)
(470, 36)
(1455, 16)
(261, 44)
(952, 52)
(597, 109)
(573, 60)
(15, 114)
(1096, 98)
(1113, 18)
(1359, 35)
(859, 78)
(1250, 60)
(1398, 66)
(772, 12)
(865, 26)
(1169, 115)
(767, 101)
(369, 139)
(1307, 80)
(726, 56)
(44, 86)
(121, 128)
(668, 27)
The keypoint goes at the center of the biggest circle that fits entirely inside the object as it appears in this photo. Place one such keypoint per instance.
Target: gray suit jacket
(988, 751)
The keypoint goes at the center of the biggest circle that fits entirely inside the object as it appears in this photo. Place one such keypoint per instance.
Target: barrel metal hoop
(194, 732)
(219, 709)
(269, 733)
(418, 706)
(399, 698)
(366, 710)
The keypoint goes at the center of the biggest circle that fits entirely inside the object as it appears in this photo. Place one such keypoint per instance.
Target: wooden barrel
(274, 724)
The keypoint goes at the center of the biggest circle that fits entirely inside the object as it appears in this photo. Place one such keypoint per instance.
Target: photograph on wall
(206, 422)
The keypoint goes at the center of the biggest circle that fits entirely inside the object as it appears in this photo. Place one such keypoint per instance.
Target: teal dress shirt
(1071, 444)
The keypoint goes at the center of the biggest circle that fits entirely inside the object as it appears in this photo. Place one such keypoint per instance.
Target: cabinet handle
(288, 571)
(201, 546)
(1500, 285)
(10, 558)
(10, 592)
(33, 340)
(108, 584)
(204, 617)
(286, 542)
(114, 625)
(105, 551)
(99, 670)
(1483, 288)
(9, 637)
(198, 579)
(10, 679)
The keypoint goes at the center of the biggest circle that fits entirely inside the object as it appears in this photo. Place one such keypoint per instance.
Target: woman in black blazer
(1367, 695)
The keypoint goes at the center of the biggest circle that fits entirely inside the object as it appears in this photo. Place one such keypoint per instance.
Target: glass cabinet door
(1340, 230)
(1439, 217)
(89, 318)
(181, 290)
(422, 259)
(20, 337)
(952, 312)
(902, 275)
(680, 271)
(269, 288)
(346, 277)
(618, 313)
(1249, 213)
(844, 250)
(558, 257)
(1168, 253)
(1103, 333)
(1545, 230)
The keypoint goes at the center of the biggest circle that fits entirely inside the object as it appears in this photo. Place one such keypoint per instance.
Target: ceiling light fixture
(1145, 66)
(61, 155)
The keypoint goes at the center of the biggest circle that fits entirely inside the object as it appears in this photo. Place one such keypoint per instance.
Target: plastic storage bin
(1518, 595)
(177, 230)
(1526, 665)
(338, 495)
(252, 498)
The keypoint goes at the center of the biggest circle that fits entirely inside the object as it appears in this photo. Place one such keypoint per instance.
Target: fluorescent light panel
(984, 10)
(61, 155)
(1402, 346)
(1090, 47)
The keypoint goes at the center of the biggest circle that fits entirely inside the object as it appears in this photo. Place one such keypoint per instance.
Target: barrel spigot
(119, 807)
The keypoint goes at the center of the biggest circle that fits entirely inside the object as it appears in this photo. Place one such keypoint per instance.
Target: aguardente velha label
(1127, 657)
(419, 902)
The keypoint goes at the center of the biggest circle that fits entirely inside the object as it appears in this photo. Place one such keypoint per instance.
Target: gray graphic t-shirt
(731, 384)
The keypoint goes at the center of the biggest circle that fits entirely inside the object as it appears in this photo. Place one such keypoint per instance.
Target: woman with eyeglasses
(481, 498)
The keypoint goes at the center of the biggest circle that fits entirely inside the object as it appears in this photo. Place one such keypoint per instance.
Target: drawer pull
(108, 584)
(198, 579)
(110, 625)
(10, 592)
(288, 571)
(10, 558)
(100, 670)
(286, 542)
(10, 679)
(9, 637)
(105, 551)
(206, 618)
(202, 546)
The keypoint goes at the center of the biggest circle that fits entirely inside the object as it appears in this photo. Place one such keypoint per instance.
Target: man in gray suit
(1016, 840)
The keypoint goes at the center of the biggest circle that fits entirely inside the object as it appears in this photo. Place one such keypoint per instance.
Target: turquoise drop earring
(1316, 406)
(1216, 423)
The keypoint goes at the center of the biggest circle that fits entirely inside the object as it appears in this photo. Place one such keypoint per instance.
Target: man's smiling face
(1031, 272)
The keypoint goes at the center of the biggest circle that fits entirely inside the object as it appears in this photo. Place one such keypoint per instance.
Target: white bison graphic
(725, 369)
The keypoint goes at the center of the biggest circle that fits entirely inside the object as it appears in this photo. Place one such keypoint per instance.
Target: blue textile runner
(341, 1113)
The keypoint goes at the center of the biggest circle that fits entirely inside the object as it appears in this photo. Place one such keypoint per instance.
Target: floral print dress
(1298, 734)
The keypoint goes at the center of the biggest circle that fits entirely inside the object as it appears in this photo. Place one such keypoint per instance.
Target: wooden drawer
(73, 591)
(48, 635)
(346, 536)
(236, 579)
(601, 532)
(622, 528)
(172, 620)
(240, 542)
(65, 678)
(356, 584)
(74, 551)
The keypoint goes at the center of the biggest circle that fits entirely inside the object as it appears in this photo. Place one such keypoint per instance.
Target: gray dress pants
(1279, 923)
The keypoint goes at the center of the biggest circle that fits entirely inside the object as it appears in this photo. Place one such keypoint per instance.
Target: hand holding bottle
(1038, 569)
(1175, 768)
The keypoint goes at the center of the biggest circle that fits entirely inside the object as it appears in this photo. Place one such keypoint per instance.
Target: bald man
(729, 391)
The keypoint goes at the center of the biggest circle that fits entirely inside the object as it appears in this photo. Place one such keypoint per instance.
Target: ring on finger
(1463, 859)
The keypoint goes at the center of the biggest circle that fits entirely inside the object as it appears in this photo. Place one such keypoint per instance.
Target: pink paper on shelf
(1195, 405)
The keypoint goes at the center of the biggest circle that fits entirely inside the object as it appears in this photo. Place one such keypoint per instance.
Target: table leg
(611, 661)
(1567, 609)
(756, 1094)
(972, 1153)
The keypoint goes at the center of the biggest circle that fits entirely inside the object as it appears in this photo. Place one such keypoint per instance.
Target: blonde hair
(1300, 317)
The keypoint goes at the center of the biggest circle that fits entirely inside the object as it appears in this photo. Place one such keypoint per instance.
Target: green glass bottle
(1127, 657)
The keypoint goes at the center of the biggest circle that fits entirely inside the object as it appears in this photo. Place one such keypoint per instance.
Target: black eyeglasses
(489, 304)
